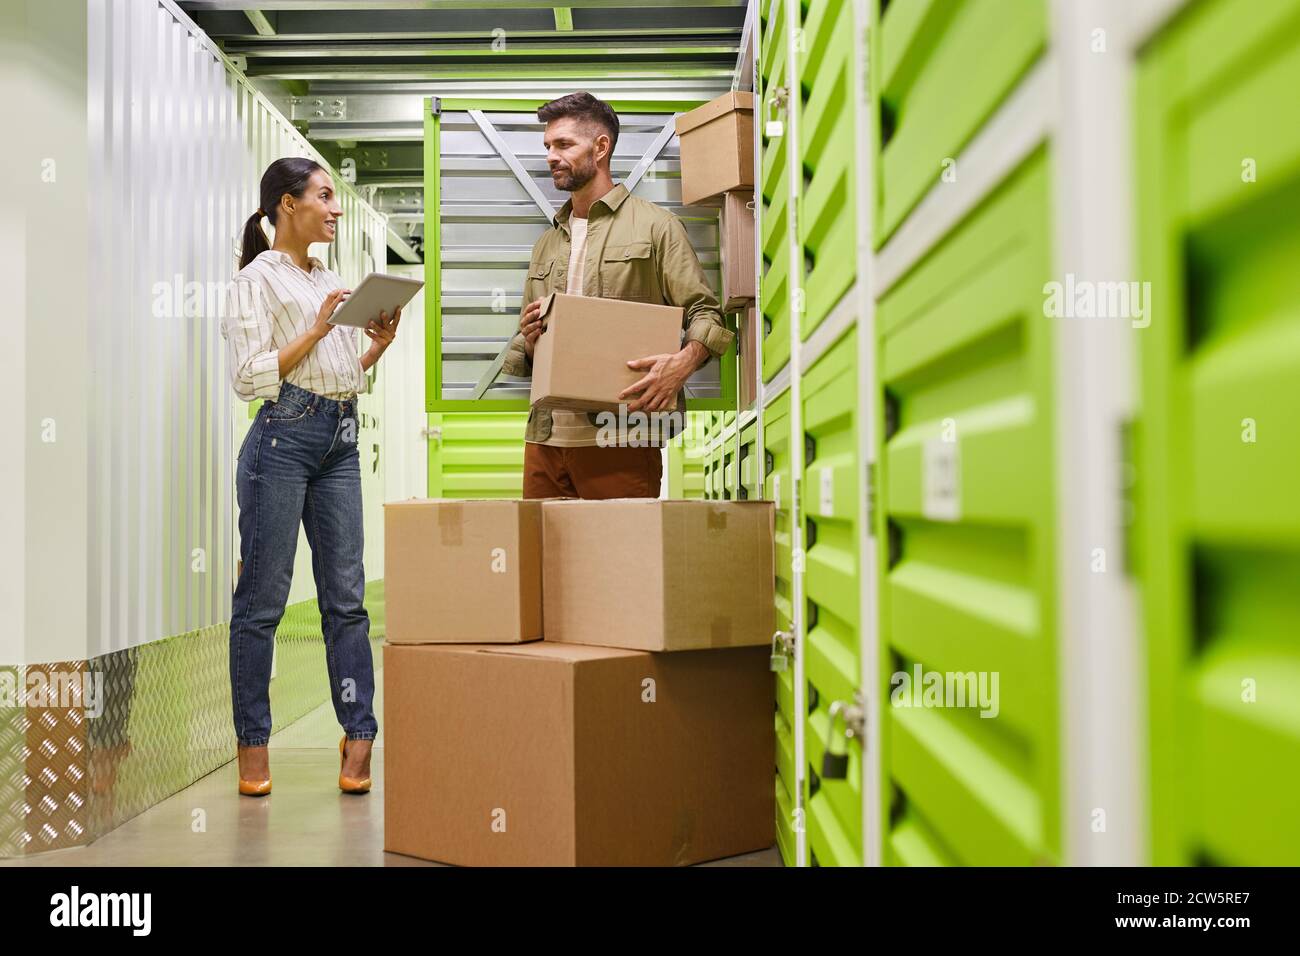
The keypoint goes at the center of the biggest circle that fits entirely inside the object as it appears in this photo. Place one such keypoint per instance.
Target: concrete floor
(306, 820)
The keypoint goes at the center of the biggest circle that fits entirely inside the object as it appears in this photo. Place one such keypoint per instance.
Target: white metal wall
(177, 143)
(406, 474)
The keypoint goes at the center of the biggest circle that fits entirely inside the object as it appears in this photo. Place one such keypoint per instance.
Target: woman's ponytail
(288, 175)
(254, 242)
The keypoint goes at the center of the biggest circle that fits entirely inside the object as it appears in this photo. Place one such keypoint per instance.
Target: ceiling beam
(260, 23)
(204, 6)
(726, 51)
(535, 72)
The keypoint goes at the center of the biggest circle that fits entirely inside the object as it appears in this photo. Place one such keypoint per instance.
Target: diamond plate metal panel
(138, 725)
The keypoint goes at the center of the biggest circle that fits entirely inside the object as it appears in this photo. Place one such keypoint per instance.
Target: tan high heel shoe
(254, 788)
(350, 784)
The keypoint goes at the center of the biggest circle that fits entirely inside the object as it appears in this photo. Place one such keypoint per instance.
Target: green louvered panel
(776, 439)
(774, 188)
(776, 488)
(751, 473)
(967, 465)
(832, 656)
(477, 454)
(944, 66)
(772, 25)
(1218, 441)
(686, 460)
(827, 225)
(785, 765)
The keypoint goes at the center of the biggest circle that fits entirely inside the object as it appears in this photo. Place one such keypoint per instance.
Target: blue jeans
(299, 462)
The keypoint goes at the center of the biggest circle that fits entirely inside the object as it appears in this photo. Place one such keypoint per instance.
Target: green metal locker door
(476, 454)
(750, 467)
(827, 225)
(1218, 440)
(686, 460)
(773, 191)
(776, 469)
(965, 364)
(942, 68)
(832, 661)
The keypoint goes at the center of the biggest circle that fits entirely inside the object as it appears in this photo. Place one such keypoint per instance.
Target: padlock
(774, 128)
(836, 766)
(780, 659)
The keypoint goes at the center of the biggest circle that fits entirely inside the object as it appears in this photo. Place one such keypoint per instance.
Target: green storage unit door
(827, 225)
(774, 187)
(943, 67)
(776, 479)
(832, 658)
(965, 360)
(751, 473)
(1218, 440)
(476, 454)
(686, 461)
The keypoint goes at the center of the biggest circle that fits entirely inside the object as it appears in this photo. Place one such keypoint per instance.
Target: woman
(299, 464)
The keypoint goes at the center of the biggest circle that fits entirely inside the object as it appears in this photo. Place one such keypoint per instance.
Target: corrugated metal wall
(178, 143)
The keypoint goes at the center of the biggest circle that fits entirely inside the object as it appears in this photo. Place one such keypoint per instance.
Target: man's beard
(575, 178)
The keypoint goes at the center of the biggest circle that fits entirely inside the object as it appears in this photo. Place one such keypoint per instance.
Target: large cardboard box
(716, 146)
(580, 359)
(555, 755)
(747, 346)
(738, 277)
(463, 571)
(658, 575)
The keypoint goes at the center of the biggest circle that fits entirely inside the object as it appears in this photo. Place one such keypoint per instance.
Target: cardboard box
(716, 143)
(658, 575)
(580, 359)
(463, 571)
(747, 346)
(738, 277)
(554, 755)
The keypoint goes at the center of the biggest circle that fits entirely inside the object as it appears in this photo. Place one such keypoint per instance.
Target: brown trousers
(591, 472)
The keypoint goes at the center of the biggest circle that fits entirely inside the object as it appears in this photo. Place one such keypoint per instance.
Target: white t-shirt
(573, 429)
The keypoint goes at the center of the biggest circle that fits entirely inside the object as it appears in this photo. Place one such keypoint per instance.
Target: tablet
(376, 293)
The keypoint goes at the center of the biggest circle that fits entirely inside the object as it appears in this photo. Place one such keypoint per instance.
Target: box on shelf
(658, 575)
(462, 571)
(716, 143)
(560, 755)
(738, 277)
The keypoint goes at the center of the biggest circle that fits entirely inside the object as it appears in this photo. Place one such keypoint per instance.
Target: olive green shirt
(635, 250)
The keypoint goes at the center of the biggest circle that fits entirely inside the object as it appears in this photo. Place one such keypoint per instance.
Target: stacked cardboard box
(717, 158)
(637, 732)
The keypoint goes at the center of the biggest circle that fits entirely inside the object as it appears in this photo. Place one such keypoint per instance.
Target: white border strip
(838, 321)
(1100, 665)
(780, 383)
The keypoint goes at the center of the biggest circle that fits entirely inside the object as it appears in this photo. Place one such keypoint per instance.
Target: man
(605, 242)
